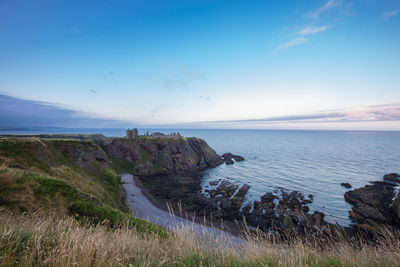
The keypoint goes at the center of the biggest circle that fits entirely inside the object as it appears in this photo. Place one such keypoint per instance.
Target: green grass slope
(62, 176)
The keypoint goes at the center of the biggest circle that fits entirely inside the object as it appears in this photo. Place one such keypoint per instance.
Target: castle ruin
(131, 134)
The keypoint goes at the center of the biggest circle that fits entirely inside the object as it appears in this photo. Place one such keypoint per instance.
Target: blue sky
(315, 64)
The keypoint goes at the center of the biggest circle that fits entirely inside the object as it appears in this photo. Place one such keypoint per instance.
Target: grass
(123, 166)
(38, 239)
(19, 153)
(28, 191)
(62, 160)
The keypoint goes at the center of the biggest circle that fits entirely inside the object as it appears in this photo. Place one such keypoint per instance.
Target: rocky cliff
(148, 156)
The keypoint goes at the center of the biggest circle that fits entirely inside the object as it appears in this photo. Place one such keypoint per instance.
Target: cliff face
(147, 156)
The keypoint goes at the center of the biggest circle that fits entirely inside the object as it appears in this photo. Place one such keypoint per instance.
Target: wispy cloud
(341, 8)
(309, 30)
(314, 116)
(387, 112)
(292, 42)
(327, 6)
(300, 36)
(391, 13)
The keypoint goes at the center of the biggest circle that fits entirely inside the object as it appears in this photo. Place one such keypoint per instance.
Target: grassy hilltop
(61, 204)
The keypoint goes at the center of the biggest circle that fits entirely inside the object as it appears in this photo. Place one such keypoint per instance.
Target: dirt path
(144, 209)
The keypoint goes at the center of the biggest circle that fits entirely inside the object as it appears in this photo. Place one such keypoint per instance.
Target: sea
(311, 162)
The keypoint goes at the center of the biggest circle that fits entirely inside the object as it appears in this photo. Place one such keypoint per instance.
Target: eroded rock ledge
(376, 205)
(281, 210)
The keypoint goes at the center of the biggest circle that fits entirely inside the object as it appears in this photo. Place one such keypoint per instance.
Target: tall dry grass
(49, 240)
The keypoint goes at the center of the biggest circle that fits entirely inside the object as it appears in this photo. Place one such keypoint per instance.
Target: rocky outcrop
(239, 197)
(373, 206)
(281, 210)
(225, 189)
(149, 156)
(227, 206)
(229, 157)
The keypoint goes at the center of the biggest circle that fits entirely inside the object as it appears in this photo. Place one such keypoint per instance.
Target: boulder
(229, 161)
(292, 202)
(238, 198)
(229, 157)
(291, 208)
(347, 185)
(372, 205)
(392, 177)
(226, 189)
(265, 207)
(317, 217)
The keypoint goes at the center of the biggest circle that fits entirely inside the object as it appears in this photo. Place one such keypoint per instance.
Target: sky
(313, 64)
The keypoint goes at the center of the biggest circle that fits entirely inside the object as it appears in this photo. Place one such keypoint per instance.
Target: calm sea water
(312, 162)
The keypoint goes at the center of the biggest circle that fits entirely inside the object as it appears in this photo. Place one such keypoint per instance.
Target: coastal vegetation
(62, 204)
(37, 239)
(64, 177)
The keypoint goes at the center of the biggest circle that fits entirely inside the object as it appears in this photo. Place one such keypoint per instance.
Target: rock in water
(239, 197)
(372, 205)
(226, 189)
(392, 177)
(229, 157)
(347, 185)
(229, 161)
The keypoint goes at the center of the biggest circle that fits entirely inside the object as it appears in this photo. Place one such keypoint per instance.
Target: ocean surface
(312, 162)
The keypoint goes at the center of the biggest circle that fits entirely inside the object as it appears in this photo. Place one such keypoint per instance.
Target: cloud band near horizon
(16, 112)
